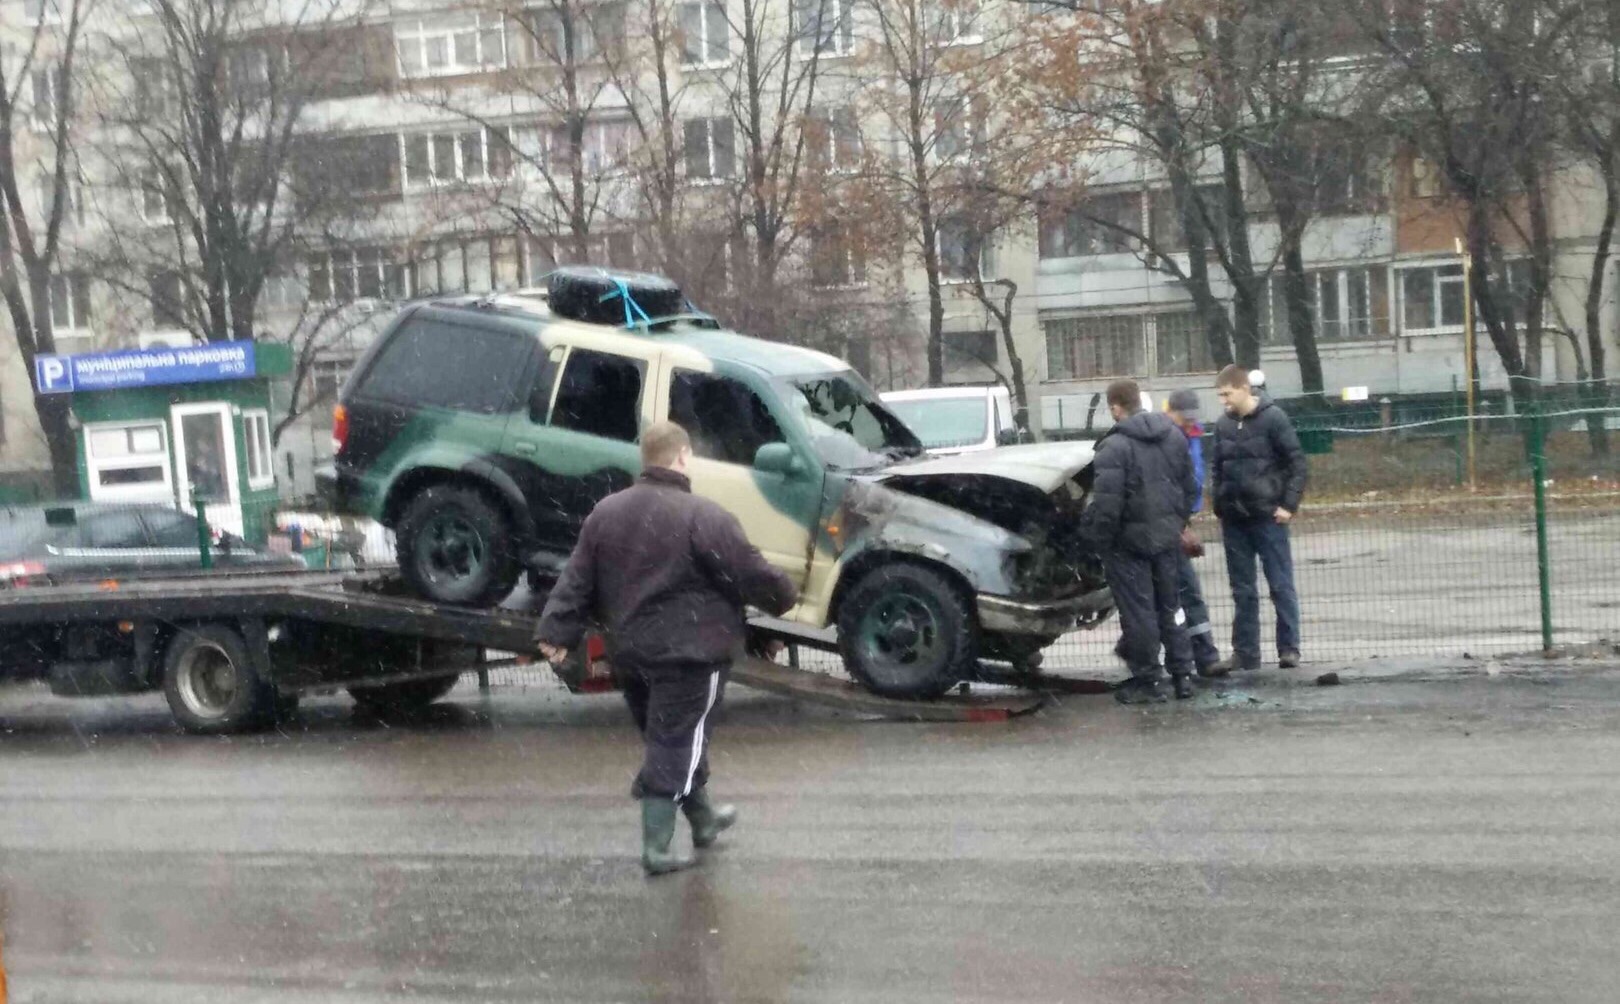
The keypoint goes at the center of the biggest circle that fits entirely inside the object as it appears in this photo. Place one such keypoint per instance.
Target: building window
(72, 198)
(326, 378)
(956, 22)
(825, 27)
(1103, 225)
(42, 11)
(347, 275)
(710, 153)
(165, 290)
(970, 350)
(603, 146)
(256, 433)
(583, 34)
(70, 302)
(835, 260)
(958, 129)
(47, 95)
(154, 95)
(834, 139)
(450, 44)
(128, 461)
(1432, 299)
(466, 155)
(964, 252)
(705, 35)
(1346, 304)
(1100, 346)
(1166, 225)
(157, 198)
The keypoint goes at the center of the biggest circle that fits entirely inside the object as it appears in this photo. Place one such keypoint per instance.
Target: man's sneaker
(1139, 690)
(1288, 660)
(1230, 663)
(1184, 688)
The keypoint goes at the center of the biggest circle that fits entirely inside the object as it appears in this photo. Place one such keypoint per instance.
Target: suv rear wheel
(455, 546)
(906, 631)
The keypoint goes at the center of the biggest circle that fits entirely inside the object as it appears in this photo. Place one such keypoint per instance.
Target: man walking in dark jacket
(668, 575)
(1258, 477)
(1141, 498)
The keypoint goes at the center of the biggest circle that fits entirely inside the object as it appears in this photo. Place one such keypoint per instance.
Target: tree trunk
(1595, 393)
(60, 439)
(1296, 286)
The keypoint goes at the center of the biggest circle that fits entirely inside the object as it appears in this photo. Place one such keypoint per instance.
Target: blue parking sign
(53, 374)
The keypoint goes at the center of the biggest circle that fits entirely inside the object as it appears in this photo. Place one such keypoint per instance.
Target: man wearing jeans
(1258, 478)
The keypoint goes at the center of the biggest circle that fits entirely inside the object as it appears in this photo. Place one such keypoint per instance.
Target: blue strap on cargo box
(631, 307)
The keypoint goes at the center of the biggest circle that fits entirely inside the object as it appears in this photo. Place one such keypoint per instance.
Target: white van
(954, 420)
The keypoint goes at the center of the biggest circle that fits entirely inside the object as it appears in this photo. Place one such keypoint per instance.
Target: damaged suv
(483, 431)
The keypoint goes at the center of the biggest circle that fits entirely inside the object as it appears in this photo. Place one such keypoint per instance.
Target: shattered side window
(851, 428)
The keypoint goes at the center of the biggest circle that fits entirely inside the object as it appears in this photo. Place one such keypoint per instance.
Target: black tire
(577, 291)
(906, 631)
(456, 546)
(210, 683)
(409, 695)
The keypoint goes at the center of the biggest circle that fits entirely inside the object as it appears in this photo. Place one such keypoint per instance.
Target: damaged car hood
(1042, 466)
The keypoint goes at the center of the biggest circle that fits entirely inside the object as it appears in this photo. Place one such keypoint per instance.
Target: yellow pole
(1468, 352)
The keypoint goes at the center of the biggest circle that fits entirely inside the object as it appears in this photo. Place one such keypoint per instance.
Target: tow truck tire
(906, 631)
(409, 695)
(455, 546)
(210, 683)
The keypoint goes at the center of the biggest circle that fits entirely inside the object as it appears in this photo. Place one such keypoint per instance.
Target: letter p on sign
(53, 375)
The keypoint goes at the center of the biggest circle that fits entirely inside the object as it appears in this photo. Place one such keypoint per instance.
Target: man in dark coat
(1258, 477)
(1141, 497)
(668, 575)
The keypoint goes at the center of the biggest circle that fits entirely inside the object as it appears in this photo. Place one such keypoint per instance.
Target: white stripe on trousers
(697, 735)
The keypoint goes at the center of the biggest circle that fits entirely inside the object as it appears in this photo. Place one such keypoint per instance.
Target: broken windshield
(850, 427)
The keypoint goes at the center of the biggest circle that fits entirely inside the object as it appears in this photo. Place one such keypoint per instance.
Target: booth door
(205, 459)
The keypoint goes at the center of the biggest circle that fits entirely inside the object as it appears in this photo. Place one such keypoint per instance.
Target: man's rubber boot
(1184, 687)
(1139, 690)
(657, 832)
(708, 820)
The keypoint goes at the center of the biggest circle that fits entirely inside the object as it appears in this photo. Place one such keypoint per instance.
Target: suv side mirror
(777, 458)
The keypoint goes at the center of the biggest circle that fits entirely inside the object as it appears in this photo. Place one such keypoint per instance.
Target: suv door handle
(525, 446)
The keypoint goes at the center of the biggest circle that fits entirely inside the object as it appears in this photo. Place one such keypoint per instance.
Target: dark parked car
(69, 541)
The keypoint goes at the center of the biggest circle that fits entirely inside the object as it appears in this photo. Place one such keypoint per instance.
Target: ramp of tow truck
(830, 692)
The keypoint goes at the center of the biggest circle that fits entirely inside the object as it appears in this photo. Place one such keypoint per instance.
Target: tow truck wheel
(210, 683)
(907, 632)
(409, 695)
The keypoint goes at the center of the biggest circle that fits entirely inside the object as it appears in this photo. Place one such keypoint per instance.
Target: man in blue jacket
(1183, 410)
(1258, 480)
(1141, 497)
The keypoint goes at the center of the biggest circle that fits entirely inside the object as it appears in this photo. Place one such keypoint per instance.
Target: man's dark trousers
(673, 707)
(1147, 596)
(1200, 632)
(1267, 540)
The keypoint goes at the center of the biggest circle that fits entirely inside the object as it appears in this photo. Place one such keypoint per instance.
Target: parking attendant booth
(173, 424)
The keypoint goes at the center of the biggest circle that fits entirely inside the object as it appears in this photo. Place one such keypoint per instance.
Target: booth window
(256, 430)
(128, 461)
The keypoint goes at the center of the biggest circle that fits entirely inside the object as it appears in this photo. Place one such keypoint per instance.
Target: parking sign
(53, 374)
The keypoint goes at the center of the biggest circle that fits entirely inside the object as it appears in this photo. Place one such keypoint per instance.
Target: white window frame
(153, 183)
(149, 491)
(74, 325)
(458, 174)
(419, 35)
(987, 258)
(704, 41)
(854, 272)
(960, 22)
(827, 118)
(256, 434)
(1401, 272)
(712, 177)
(51, 74)
(587, 32)
(840, 42)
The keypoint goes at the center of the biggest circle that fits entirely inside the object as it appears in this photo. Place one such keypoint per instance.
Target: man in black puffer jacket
(1258, 473)
(1141, 498)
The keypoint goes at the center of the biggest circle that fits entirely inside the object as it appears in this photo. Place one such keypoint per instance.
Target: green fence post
(1538, 470)
(202, 530)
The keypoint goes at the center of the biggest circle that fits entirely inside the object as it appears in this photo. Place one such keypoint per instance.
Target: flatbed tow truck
(234, 652)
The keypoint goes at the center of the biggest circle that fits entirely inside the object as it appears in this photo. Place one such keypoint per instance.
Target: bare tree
(39, 98)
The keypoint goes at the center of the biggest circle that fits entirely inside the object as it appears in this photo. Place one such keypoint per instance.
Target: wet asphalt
(1453, 839)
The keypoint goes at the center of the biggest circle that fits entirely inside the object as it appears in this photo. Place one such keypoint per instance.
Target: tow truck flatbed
(231, 651)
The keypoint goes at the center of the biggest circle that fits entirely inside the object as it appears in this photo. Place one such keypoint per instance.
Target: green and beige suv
(482, 431)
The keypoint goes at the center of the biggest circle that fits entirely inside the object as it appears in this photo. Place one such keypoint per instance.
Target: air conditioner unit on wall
(165, 339)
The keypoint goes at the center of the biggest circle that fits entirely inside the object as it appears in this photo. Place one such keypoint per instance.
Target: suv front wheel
(455, 546)
(905, 631)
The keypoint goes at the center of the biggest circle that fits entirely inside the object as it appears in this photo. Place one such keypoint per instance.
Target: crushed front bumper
(1000, 615)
